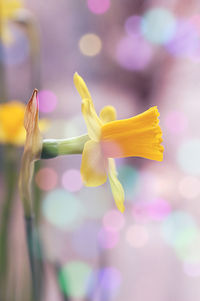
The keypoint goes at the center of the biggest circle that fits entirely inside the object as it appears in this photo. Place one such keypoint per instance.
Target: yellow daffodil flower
(8, 9)
(138, 136)
(11, 123)
(32, 149)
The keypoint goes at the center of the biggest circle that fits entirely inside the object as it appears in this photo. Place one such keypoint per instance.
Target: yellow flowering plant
(11, 123)
(109, 138)
(8, 8)
(12, 129)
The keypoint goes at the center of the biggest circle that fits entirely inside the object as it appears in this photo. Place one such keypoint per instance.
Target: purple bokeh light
(110, 280)
(47, 101)
(71, 180)
(185, 41)
(98, 6)
(133, 25)
(157, 210)
(133, 52)
(108, 239)
(113, 220)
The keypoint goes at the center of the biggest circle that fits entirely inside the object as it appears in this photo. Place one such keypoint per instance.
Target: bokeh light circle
(188, 249)
(75, 278)
(108, 239)
(98, 6)
(157, 209)
(109, 280)
(188, 156)
(129, 177)
(113, 220)
(179, 229)
(185, 41)
(63, 209)
(46, 178)
(137, 236)
(158, 25)
(132, 25)
(71, 180)
(189, 187)
(133, 53)
(47, 101)
(90, 44)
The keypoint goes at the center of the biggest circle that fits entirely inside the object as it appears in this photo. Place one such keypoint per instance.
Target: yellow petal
(116, 186)
(92, 121)
(81, 86)
(107, 114)
(139, 136)
(94, 165)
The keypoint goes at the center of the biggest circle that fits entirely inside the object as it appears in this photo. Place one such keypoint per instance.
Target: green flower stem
(53, 148)
(10, 166)
(50, 149)
(35, 257)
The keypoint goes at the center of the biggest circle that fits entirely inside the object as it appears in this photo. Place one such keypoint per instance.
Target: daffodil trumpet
(139, 136)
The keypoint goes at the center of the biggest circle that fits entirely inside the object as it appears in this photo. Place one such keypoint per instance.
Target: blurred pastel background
(132, 55)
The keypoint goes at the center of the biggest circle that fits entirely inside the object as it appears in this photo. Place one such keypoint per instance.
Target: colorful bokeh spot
(63, 209)
(133, 52)
(137, 236)
(71, 180)
(156, 209)
(108, 239)
(47, 101)
(176, 122)
(90, 44)
(46, 178)
(129, 178)
(75, 278)
(189, 252)
(133, 25)
(109, 281)
(179, 230)
(188, 156)
(113, 220)
(98, 6)
(185, 41)
(158, 25)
